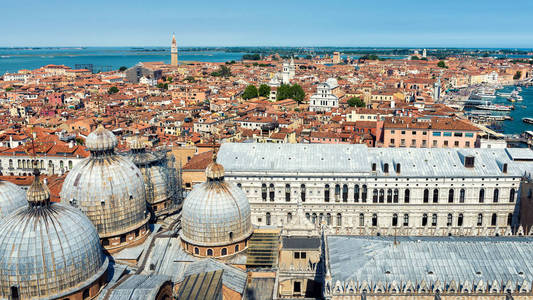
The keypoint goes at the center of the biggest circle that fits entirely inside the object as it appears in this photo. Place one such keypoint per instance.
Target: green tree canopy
(295, 92)
(223, 71)
(414, 57)
(123, 68)
(250, 92)
(254, 56)
(441, 64)
(112, 90)
(264, 90)
(517, 75)
(356, 102)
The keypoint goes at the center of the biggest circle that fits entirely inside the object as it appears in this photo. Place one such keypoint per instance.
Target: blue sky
(449, 23)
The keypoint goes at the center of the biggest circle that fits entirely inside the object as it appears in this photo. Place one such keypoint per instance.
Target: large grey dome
(215, 212)
(12, 198)
(48, 250)
(101, 139)
(109, 189)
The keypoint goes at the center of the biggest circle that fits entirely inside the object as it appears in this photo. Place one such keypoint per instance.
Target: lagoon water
(102, 58)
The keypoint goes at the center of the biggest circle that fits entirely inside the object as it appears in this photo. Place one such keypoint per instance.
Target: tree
(297, 93)
(284, 92)
(254, 56)
(356, 102)
(112, 90)
(163, 86)
(414, 57)
(441, 64)
(9, 89)
(517, 75)
(122, 69)
(250, 92)
(264, 90)
(223, 71)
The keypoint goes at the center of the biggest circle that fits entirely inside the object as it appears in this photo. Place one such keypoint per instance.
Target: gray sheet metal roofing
(49, 251)
(233, 278)
(138, 287)
(12, 198)
(430, 259)
(354, 159)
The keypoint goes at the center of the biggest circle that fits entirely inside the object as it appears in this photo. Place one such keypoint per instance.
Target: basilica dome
(12, 198)
(109, 189)
(49, 250)
(215, 213)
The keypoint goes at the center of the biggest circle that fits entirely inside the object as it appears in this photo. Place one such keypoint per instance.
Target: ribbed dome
(48, 250)
(109, 189)
(215, 213)
(12, 198)
(101, 140)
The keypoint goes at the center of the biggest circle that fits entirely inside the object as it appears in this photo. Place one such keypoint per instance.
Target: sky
(407, 23)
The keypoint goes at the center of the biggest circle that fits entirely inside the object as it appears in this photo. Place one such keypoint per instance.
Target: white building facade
(369, 191)
(324, 99)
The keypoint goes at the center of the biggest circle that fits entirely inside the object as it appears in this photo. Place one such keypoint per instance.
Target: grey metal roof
(167, 257)
(138, 287)
(350, 159)
(301, 242)
(12, 198)
(430, 259)
(233, 278)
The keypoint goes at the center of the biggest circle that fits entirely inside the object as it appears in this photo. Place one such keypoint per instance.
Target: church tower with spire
(174, 52)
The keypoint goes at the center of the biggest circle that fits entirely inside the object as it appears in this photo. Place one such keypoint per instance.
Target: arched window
(264, 192)
(385, 168)
(426, 195)
(231, 235)
(509, 219)
(361, 220)
(434, 220)
(406, 220)
(364, 193)
(339, 219)
(236, 248)
(209, 252)
(381, 196)
(313, 218)
(511, 195)
(86, 294)
(328, 218)
(460, 220)
(396, 196)
(11, 164)
(302, 192)
(374, 220)
(345, 193)
(61, 164)
(480, 220)
(326, 193)
(493, 220)
(289, 217)
(395, 220)
(496, 195)
(224, 251)
(287, 193)
(424, 220)
(356, 193)
(271, 192)
(268, 218)
(321, 218)
(436, 196)
(450, 196)
(308, 216)
(70, 164)
(406, 196)
(449, 220)
(482, 195)
(462, 196)
(14, 292)
(375, 196)
(337, 193)
(389, 196)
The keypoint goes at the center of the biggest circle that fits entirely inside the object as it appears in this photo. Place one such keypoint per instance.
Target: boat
(527, 120)
(511, 99)
(518, 88)
(495, 107)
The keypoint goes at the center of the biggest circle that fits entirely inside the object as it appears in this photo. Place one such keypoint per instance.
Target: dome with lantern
(109, 189)
(49, 250)
(215, 214)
